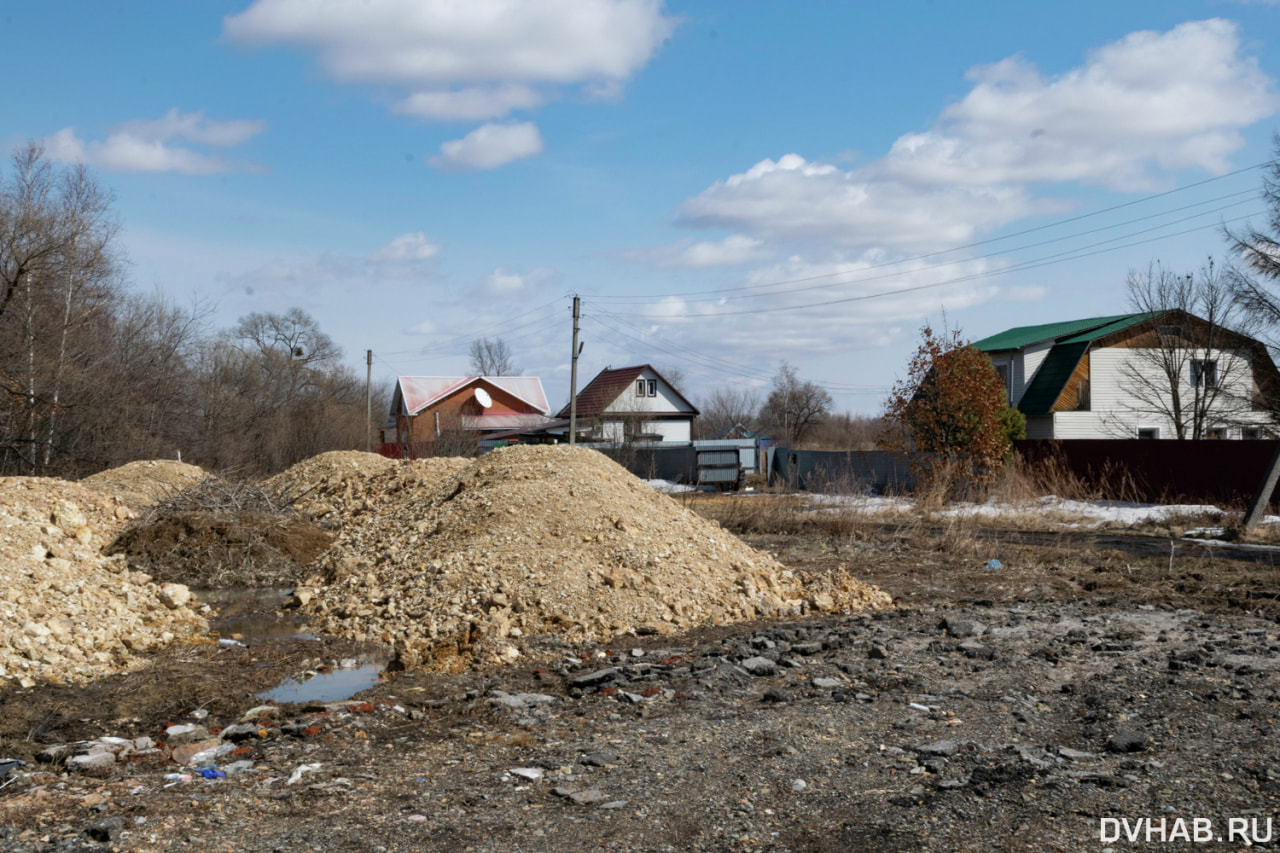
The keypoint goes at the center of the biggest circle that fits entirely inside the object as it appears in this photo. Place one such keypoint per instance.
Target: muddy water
(252, 615)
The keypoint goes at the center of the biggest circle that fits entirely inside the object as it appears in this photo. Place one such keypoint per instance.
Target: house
(1109, 377)
(632, 404)
(428, 409)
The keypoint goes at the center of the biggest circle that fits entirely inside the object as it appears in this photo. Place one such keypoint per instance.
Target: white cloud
(690, 254)
(509, 285)
(1149, 103)
(146, 145)
(478, 59)
(407, 247)
(489, 146)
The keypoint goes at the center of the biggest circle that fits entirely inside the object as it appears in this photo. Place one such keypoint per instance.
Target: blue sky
(726, 184)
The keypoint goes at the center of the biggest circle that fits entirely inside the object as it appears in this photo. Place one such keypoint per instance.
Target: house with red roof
(427, 409)
(632, 404)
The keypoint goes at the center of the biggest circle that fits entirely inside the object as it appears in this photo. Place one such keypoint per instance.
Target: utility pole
(573, 378)
(368, 401)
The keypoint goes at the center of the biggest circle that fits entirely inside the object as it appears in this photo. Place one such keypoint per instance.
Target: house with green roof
(1165, 374)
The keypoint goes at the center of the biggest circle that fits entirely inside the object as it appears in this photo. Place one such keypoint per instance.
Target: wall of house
(1040, 426)
(666, 402)
(1115, 412)
(1025, 364)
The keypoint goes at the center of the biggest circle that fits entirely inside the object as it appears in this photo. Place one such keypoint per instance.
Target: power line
(988, 241)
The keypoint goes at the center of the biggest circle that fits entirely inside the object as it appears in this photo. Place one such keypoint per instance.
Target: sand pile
(66, 612)
(532, 540)
(138, 485)
(338, 487)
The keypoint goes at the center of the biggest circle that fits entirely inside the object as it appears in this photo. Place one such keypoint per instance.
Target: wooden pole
(368, 401)
(1258, 507)
(573, 379)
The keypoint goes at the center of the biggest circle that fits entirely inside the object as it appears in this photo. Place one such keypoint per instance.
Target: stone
(174, 595)
(962, 628)
(827, 683)
(599, 759)
(799, 785)
(759, 666)
(92, 761)
(239, 732)
(593, 679)
(589, 797)
(105, 830)
(977, 650)
(69, 517)
(185, 733)
(533, 774)
(1127, 741)
(944, 748)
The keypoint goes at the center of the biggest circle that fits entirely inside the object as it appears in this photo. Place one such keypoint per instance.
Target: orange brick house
(425, 409)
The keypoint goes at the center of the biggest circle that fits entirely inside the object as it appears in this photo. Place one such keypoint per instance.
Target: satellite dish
(483, 398)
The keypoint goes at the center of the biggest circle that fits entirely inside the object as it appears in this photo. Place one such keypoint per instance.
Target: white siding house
(633, 404)
(1108, 377)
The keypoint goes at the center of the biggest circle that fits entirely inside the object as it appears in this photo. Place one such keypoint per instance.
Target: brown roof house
(632, 404)
(437, 415)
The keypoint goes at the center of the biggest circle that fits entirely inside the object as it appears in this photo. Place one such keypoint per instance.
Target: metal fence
(848, 471)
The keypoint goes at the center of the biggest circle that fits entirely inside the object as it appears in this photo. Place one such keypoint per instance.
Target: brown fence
(1226, 473)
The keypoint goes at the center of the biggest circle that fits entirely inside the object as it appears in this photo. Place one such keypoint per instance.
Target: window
(1148, 432)
(1002, 370)
(1253, 433)
(640, 386)
(1170, 334)
(1217, 433)
(653, 387)
(1204, 372)
(1083, 400)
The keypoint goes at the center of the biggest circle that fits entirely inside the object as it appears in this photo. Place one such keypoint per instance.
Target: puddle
(333, 686)
(247, 615)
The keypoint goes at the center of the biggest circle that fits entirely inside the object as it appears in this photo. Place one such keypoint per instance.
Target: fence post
(1258, 507)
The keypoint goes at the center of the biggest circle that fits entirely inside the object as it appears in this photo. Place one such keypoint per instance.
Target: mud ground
(1017, 709)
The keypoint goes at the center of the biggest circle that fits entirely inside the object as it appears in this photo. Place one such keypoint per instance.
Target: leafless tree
(726, 408)
(492, 358)
(1189, 368)
(794, 406)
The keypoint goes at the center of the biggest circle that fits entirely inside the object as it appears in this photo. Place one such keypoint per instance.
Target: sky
(727, 185)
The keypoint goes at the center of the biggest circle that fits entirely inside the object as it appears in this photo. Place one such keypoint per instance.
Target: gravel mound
(67, 613)
(335, 488)
(546, 540)
(138, 485)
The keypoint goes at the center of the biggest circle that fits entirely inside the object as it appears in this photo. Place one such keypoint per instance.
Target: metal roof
(1051, 378)
(608, 384)
(419, 392)
(1025, 336)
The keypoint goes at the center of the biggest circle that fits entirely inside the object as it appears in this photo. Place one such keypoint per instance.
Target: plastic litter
(209, 756)
(230, 644)
(994, 565)
(212, 773)
(302, 768)
(237, 767)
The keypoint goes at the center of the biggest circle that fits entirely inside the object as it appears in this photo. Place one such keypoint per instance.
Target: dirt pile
(538, 540)
(219, 533)
(335, 488)
(67, 613)
(138, 485)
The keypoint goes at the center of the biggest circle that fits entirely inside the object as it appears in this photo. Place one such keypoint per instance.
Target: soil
(1009, 709)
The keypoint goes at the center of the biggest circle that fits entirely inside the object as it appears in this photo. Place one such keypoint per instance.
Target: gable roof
(418, 392)
(608, 384)
(1046, 386)
(1076, 330)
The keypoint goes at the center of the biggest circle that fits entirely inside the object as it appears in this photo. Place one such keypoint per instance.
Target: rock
(254, 713)
(105, 830)
(878, 652)
(944, 748)
(92, 761)
(239, 732)
(533, 774)
(174, 595)
(590, 797)
(827, 683)
(974, 649)
(799, 785)
(68, 517)
(599, 759)
(1127, 741)
(774, 695)
(806, 648)
(185, 733)
(1076, 755)
(962, 628)
(759, 666)
(594, 679)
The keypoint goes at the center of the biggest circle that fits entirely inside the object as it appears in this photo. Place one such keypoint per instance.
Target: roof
(1051, 378)
(419, 392)
(608, 384)
(1075, 330)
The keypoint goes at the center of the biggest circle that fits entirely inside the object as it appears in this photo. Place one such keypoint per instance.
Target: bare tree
(727, 408)
(794, 406)
(492, 358)
(1190, 367)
